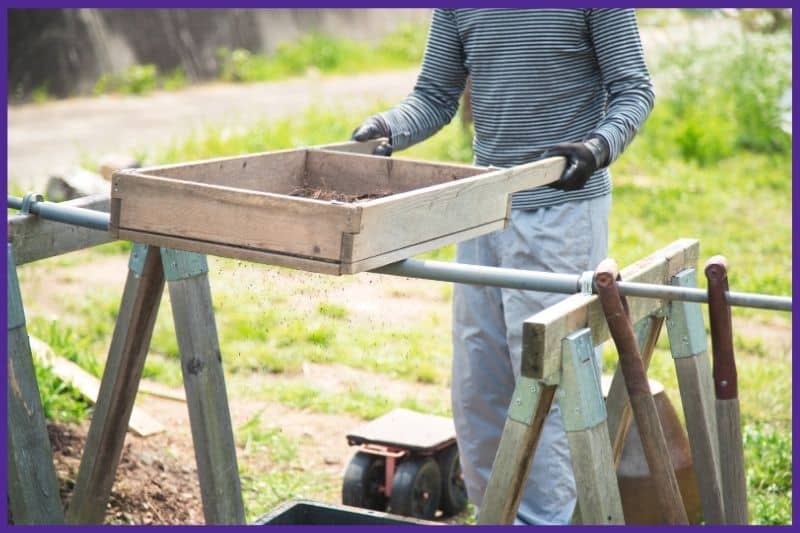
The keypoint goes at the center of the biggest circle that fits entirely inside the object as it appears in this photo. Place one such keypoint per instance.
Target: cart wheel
(416, 488)
(363, 480)
(454, 492)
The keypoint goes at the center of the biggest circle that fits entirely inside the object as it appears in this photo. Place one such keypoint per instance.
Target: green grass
(278, 477)
(60, 402)
(316, 52)
(311, 53)
(136, 79)
(353, 401)
(768, 460)
(261, 328)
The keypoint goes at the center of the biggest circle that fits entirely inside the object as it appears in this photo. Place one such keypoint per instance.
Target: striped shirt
(539, 77)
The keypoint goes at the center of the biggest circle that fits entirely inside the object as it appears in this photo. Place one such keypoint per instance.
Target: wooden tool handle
(615, 307)
(719, 317)
(731, 447)
(642, 404)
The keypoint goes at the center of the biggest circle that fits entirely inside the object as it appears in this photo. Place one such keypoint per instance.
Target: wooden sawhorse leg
(126, 355)
(206, 396)
(530, 404)
(33, 492)
(583, 410)
(203, 379)
(687, 339)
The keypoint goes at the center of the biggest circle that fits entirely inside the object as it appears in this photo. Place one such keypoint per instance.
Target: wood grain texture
(207, 400)
(543, 333)
(33, 495)
(351, 174)
(244, 202)
(405, 252)
(235, 252)
(233, 217)
(126, 356)
(617, 403)
(34, 238)
(595, 476)
(352, 147)
(513, 462)
(696, 389)
(278, 172)
(405, 219)
(731, 460)
(365, 174)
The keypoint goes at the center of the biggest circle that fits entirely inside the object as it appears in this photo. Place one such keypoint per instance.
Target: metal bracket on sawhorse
(33, 492)
(687, 339)
(195, 327)
(583, 410)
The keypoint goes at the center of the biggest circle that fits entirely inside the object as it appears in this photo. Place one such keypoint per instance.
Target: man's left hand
(583, 159)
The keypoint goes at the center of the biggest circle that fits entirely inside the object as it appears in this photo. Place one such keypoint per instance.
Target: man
(569, 83)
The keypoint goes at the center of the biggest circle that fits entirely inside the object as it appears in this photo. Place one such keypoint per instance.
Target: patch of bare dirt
(152, 486)
(156, 481)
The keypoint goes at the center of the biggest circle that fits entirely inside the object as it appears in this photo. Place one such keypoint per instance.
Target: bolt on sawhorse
(557, 365)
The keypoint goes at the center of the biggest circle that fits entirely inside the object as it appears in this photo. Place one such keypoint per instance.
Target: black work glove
(374, 128)
(583, 159)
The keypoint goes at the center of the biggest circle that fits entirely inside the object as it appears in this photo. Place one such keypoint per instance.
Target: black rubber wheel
(454, 492)
(362, 482)
(416, 488)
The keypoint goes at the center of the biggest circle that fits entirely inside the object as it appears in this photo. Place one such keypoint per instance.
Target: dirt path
(55, 136)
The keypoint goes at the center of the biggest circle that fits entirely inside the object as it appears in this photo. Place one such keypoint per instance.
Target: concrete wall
(69, 49)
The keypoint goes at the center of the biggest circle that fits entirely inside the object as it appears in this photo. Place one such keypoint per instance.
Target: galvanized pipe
(461, 273)
(566, 283)
(66, 214)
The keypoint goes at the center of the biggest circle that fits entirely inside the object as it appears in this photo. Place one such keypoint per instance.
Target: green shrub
(141, 80)
(319, 52)
(175, 79)
(720, 99)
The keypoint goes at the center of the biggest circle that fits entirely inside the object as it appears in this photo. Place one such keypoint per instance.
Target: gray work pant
(487, 339)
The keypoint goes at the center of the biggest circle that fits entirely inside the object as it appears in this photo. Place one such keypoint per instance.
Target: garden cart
(406, 462)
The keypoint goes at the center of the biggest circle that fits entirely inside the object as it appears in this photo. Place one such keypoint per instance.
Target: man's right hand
(374, 128)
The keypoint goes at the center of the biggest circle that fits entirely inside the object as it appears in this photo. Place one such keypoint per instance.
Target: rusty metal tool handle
(615, 309)
(729, 426)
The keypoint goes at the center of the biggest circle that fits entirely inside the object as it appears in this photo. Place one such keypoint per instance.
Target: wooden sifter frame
(242, 206)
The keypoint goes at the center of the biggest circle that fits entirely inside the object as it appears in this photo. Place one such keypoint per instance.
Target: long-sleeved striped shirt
(539, 77)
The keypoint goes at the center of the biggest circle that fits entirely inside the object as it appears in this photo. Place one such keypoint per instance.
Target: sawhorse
(29, 453)
(558, 363)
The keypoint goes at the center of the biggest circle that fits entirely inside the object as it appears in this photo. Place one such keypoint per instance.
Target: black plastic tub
(307, 512)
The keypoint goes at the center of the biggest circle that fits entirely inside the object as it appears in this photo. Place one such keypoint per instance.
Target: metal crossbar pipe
(461, 273)
(566, 283)
(63, 213)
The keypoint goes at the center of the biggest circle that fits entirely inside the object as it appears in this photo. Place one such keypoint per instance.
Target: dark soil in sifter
(335, 196)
